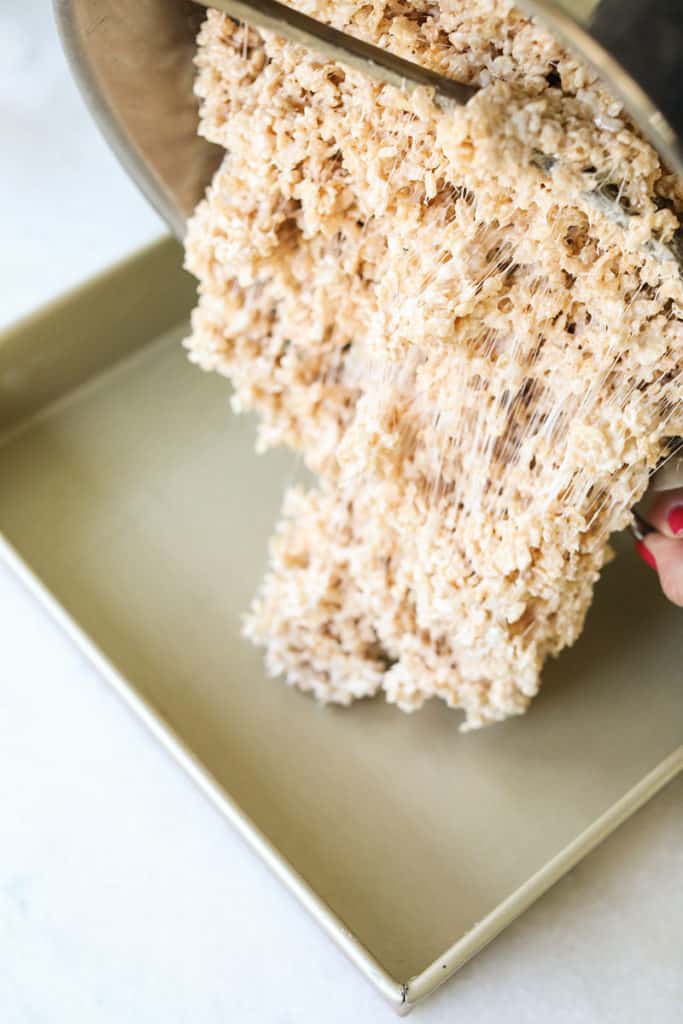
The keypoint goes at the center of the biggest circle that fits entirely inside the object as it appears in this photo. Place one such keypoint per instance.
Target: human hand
(663, 550)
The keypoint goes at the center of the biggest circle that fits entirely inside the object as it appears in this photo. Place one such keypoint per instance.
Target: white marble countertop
(123, 896)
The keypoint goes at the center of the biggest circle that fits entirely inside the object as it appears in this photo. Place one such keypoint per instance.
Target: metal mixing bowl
(133, 62)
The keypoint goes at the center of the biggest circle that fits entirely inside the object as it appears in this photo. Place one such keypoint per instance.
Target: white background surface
(123, 896)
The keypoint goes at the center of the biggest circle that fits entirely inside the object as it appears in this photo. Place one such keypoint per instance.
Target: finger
(668, 557)
(666, 514)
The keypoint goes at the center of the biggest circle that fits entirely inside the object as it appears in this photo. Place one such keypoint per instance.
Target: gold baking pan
(133, 505)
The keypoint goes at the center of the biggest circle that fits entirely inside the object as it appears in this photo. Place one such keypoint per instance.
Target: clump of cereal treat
(468, 321)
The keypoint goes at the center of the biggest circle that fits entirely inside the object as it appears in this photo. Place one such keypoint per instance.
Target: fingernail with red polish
(646, 554)
(675, 520)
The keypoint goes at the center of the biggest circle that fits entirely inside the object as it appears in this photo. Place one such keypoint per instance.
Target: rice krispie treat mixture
(469, 321)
